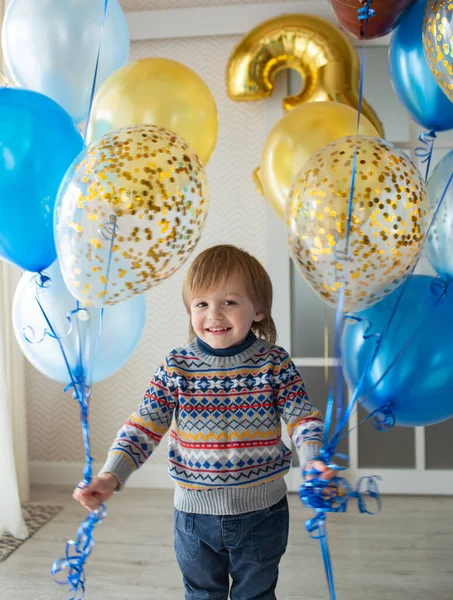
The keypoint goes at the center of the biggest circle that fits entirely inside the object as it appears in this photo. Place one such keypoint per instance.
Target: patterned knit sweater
(225, 454)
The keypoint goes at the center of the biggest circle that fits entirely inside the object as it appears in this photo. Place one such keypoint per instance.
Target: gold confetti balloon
(438, 42)
(130, 212)
(389, 219)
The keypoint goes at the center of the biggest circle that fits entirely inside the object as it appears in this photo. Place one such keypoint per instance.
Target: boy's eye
(229, 302)
(201, 305)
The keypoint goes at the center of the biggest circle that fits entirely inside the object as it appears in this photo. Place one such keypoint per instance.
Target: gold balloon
(162, 92)
(319, 51)
(296, 137)
(389, 220)
(438, 42)
(129, 213)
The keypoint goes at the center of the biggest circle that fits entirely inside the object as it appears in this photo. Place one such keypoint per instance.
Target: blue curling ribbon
(76, 555)
(364, 14)
(332, 496)
(425, 152)
(77, 551)
(366, 11)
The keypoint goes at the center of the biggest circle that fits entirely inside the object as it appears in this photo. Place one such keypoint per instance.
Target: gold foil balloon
(296, 137)
(388, 223)
(158, 91)
(438, 42)
(129, 213)
(319, 51)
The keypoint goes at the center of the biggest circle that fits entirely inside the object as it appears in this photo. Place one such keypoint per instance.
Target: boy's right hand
(97, 492)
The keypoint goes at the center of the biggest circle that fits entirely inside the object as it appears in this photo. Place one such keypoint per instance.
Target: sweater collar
(231, 351)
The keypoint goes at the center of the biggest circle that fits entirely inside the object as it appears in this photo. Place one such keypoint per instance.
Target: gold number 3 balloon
(318, 50)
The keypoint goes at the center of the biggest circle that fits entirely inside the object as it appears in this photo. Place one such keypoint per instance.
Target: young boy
(223, 396)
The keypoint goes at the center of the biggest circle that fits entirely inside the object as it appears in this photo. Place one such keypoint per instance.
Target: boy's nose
(215, 314)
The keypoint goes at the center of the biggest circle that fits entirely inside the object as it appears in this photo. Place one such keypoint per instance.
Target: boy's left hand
(324, 471)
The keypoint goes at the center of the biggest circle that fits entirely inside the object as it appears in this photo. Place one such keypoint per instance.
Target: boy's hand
(100, 489)
(319, 465)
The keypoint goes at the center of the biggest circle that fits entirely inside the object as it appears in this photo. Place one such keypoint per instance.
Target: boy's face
(222, 317)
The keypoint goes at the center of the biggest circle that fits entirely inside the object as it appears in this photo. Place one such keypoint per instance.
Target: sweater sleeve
(144, 429)
(305, 423)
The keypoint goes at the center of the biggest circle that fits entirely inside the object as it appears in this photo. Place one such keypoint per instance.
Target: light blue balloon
(419, 387)
(439, 245)
(38, 142)
(50, 46)
(122, 328)
(412, 80)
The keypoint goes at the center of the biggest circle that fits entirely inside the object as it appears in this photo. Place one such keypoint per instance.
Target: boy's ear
(259, 316)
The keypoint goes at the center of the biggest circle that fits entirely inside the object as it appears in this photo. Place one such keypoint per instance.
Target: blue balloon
(51, 46)
(439, 245)
(411, 76)
(77, 330)
(418, 387)
(38, 142)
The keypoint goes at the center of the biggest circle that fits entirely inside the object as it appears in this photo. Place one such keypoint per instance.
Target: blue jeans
(247, 547)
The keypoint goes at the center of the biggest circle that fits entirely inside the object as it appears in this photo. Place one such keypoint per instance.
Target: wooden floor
(405, 552)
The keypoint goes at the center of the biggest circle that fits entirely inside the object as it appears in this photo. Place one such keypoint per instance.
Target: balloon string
(70, 570)
(328, 449)
(326, 347)
(425, 152)
(363, 13)
(44, 279)
(355, 396)
(71, 566)
(96, 68)
(383, 416)
(78, 551)
(74, 562)
(76, 375)
(409, 340)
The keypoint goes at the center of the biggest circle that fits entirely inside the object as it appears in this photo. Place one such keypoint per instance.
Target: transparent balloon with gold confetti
(389, 219)
(130, 211)
(438, 42)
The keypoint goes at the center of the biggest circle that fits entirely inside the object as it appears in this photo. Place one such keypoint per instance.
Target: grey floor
(404, 552)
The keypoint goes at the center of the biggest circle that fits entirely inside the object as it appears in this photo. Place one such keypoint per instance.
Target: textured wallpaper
(237, 215)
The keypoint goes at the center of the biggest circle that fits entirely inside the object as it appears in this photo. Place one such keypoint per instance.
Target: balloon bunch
(94, 222)
(359, 215)
(358, 212)
(396, 355)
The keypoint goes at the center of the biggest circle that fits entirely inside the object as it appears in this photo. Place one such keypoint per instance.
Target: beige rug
(36, 516)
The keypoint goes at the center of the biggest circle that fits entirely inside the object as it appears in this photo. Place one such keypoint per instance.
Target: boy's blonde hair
(215, 266)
